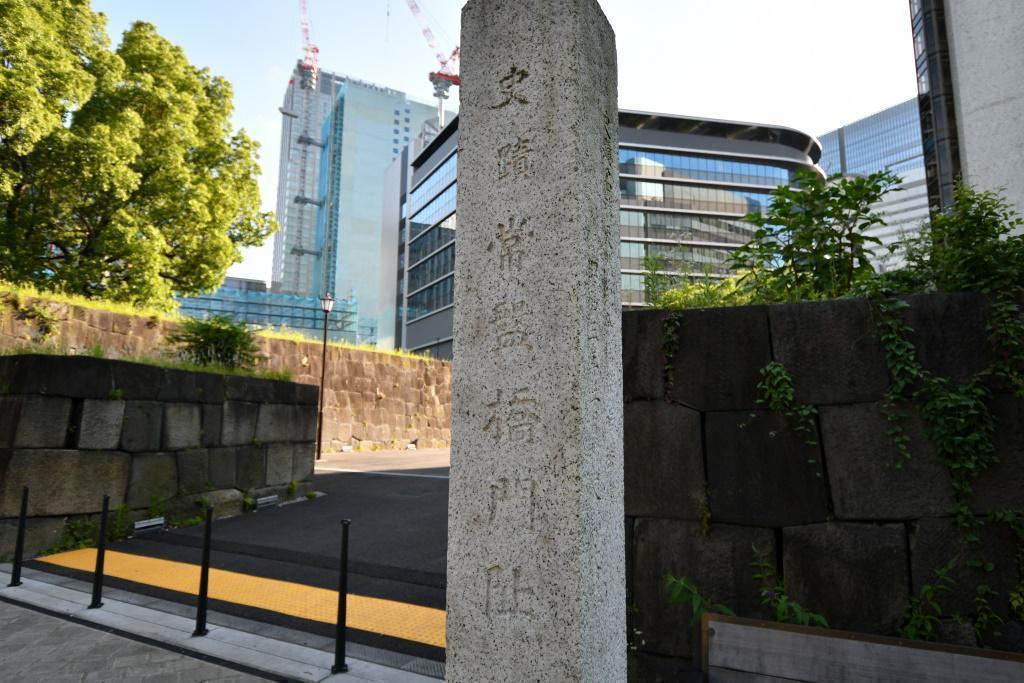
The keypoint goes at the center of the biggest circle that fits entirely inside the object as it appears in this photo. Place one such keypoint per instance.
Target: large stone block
(279, 463)
(10, 414)
(100, 426)
(1001, 486)
(71, 376)
(238, 427)
(307, 394)
(950, 334)
(935, 542)
(831, 349)
(154, 479)
(643, 354)
(40, 534)
(250, 467)
(303, 459)
(187, 386)
(761, 471)
(238, 388)
(869, 478)
(137, 381)
(63, 482)
(277, 422)
(225, 503)
(182, 426)
(664, 461)
(143, 426)
(43, 422)
(223, 466)
(718, 564)
(854, 574)
(718, 357)
(193, 470)
(213, 424)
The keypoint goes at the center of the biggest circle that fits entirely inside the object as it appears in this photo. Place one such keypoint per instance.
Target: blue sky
(809, 64)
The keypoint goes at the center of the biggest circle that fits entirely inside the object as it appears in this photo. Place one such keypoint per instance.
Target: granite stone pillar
(536, 587)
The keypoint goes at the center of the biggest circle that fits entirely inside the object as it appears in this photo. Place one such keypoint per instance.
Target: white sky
(808, 64)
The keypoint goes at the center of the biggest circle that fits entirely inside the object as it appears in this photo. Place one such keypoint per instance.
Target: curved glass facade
(680, 203)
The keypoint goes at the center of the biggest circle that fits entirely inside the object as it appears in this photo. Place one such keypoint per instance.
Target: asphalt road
(397, 544)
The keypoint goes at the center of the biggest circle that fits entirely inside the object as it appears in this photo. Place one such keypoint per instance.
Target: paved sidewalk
(424, 459)
(39, 647)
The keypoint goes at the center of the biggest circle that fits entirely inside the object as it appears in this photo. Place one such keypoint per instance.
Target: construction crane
(446, 76)
(310, 63)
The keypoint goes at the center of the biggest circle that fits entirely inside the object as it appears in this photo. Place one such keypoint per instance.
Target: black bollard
(204, 577)
(101, 551)
(339, 633)
(19, 543)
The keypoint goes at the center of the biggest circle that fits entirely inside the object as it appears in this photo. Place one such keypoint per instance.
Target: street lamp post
(326, 303)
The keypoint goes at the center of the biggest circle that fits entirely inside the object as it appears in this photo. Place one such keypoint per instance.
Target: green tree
(147, 191)
(812, 242)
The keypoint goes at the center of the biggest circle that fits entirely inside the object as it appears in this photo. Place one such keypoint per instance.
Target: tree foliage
(812, 241)
(124, 178)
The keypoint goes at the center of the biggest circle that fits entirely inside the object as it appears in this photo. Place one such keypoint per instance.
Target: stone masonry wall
(158, 441)
(372, 400)
(710, 472)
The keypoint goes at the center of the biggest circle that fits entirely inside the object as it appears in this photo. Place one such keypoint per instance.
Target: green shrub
(216, 341)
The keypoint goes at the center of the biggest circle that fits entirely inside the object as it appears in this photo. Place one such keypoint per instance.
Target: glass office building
(889, 140)
(685, 183)
(251, 302)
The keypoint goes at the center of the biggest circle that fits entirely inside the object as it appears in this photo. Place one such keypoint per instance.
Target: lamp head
(327, 303)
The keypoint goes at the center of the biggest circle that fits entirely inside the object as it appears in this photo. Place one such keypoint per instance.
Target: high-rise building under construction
(337, 139)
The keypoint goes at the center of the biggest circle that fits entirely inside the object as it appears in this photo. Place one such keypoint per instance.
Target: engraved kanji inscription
(512, 418)
(509, 237)
(512, 499)
(514, 158)
(507, 321)
(508, 593)
(509, 88)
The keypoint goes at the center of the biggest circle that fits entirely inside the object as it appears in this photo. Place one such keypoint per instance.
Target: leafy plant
(77, 533)
(120, 526)
(925, 612)
(218, 340)
(812, 242)
(682, 590)
(773, 595)
(156, 508)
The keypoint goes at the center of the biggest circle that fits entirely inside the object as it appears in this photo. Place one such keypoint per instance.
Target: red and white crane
(446, 76)
(310, 63)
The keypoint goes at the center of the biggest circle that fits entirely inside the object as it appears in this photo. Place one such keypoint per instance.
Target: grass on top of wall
(17, 292)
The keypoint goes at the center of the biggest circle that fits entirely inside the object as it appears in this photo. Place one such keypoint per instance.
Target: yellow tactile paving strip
(374, 615)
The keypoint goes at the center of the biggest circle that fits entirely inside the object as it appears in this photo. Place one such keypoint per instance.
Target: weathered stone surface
(307, 394)
(868, 476)
(643, 355)
(719, 356)
(831, 349)
(250, 467)
(664, 463)
(854, 574)
(278, 422)
(223, 466)
(154, 478)
(1001, 486)
(71, 376)
(193, 470)
(279, 463)
(100, 427)
(950, 335)
(136, 381)
(238, 426)
(212, 424)
(237, 388)
(40, 534)
(10, 414)
(935, 542)
(182, 425)
(202, 387)
(225, 503)
(143, 426)
(62, 482)
(718, 564)
(303, 459)
(535, 567)
(760, 471)
(43, 422)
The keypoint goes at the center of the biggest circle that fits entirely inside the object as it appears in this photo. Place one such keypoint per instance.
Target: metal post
(339, 627)
(204, 577)
(101, 551)
(19, 543)
(320, 402)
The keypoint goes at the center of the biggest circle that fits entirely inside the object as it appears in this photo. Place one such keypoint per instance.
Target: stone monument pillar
(536, 568)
